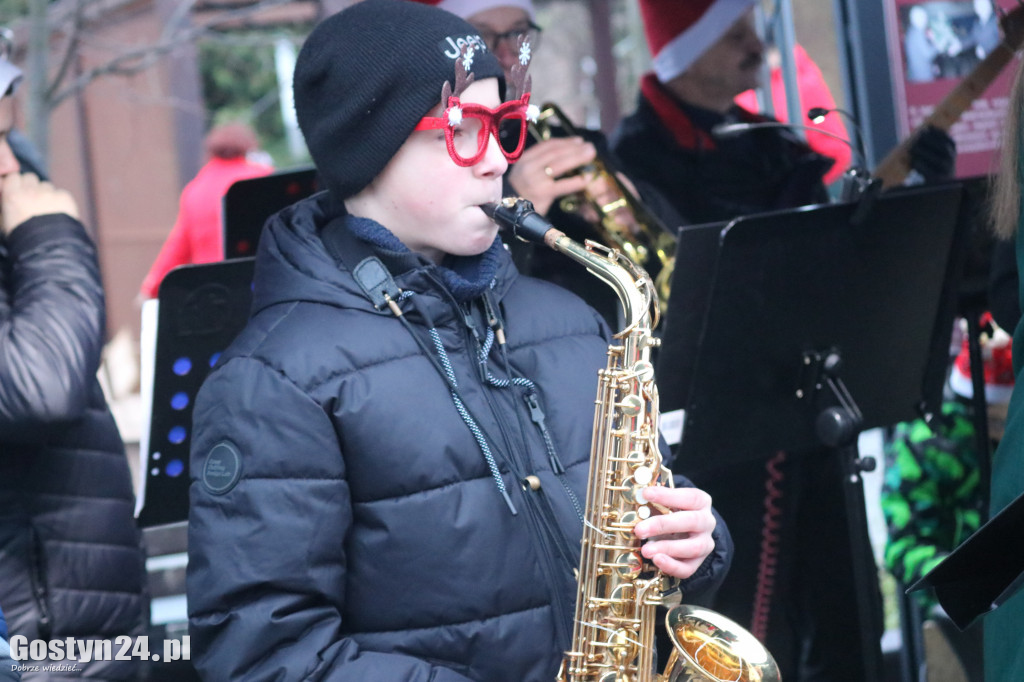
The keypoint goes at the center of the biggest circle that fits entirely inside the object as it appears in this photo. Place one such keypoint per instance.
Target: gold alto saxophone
(613, 632)
(624, 223)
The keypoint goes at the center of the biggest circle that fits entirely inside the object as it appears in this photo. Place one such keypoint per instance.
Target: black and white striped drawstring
(469, 420)
(536, 414)
(531, 388)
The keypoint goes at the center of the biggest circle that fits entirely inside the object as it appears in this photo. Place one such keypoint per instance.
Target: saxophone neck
(631, 284)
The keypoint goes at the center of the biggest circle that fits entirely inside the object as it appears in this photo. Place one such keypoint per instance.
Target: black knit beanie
(367, 75)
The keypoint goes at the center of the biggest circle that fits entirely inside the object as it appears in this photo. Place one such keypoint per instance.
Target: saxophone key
(631, 405)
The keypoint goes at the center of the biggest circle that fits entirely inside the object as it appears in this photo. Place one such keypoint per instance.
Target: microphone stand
(727, 130)
(857, 182)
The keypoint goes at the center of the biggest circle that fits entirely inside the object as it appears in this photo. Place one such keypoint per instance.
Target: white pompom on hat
(680, 31)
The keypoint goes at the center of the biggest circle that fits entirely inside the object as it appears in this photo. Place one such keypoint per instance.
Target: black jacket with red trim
(708, 179)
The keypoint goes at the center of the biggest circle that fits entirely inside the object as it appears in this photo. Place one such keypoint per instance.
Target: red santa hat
(996, 359)
(679, 31)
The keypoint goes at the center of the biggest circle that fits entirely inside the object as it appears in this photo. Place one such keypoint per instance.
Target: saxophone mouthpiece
(519, 216)
(489, 209)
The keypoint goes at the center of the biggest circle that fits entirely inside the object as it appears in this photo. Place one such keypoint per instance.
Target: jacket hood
(294, 265)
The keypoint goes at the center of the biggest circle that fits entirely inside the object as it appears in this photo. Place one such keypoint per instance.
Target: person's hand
(24, 196)
(678, 542)
(537, 174)
(933, 154)
(602, 190)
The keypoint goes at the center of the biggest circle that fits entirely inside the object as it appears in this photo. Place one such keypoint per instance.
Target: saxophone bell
(709, 646)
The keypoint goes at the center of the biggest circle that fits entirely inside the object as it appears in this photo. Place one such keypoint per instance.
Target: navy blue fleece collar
(466, 277)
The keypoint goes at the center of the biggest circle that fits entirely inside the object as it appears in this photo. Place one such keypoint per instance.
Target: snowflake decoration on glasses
(518, 82)
(524, 53)
(463, 79)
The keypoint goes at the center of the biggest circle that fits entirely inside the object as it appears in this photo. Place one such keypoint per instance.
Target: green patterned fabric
(930, 496)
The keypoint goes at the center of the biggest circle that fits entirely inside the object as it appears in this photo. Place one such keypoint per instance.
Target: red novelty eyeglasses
(467, 128)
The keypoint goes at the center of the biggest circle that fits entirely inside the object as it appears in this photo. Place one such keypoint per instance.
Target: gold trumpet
(625, 223)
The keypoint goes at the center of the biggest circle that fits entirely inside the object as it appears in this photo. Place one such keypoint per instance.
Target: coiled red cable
(770, 538)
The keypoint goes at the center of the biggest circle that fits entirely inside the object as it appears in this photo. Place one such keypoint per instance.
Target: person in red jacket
(814, 92)
(197, 235)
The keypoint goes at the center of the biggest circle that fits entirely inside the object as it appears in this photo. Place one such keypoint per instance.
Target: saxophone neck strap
(358, 257)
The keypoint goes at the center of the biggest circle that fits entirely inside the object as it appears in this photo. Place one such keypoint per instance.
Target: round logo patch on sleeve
(222, 469)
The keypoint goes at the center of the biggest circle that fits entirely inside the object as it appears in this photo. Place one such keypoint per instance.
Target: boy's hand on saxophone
(680, 540)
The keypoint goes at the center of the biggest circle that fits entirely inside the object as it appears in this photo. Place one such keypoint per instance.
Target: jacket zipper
(537, 516)
(532, 400)
(38, 578)
(537, 417)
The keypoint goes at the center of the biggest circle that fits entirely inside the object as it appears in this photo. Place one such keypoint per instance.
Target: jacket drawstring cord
(468, 419)
(444, 368)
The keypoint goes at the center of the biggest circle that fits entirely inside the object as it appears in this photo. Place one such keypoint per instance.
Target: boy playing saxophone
(389, 462)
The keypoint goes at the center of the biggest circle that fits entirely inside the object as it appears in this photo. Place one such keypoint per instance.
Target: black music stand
(790, 330)
(248, 204)
(984, 571)
(202, 309)
(755, 300)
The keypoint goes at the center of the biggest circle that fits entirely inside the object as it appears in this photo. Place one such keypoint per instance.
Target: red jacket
(198, 234)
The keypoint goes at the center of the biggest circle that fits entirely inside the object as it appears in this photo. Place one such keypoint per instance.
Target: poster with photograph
(948, 56)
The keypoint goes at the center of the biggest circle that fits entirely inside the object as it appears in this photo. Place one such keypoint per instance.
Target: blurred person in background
(785, 509)
(705, 53)
(198, 232)
(71, 562)
(1004, 627)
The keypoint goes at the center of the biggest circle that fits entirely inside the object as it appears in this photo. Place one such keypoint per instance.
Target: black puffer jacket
(345, 523)
(71, 563)
(709, 179)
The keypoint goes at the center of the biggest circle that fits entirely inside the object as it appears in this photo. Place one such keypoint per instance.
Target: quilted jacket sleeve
(266, 573)
(51, 325)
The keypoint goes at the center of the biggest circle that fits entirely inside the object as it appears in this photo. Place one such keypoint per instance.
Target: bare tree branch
(68, 24)
(178, 31)
(70, 51)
